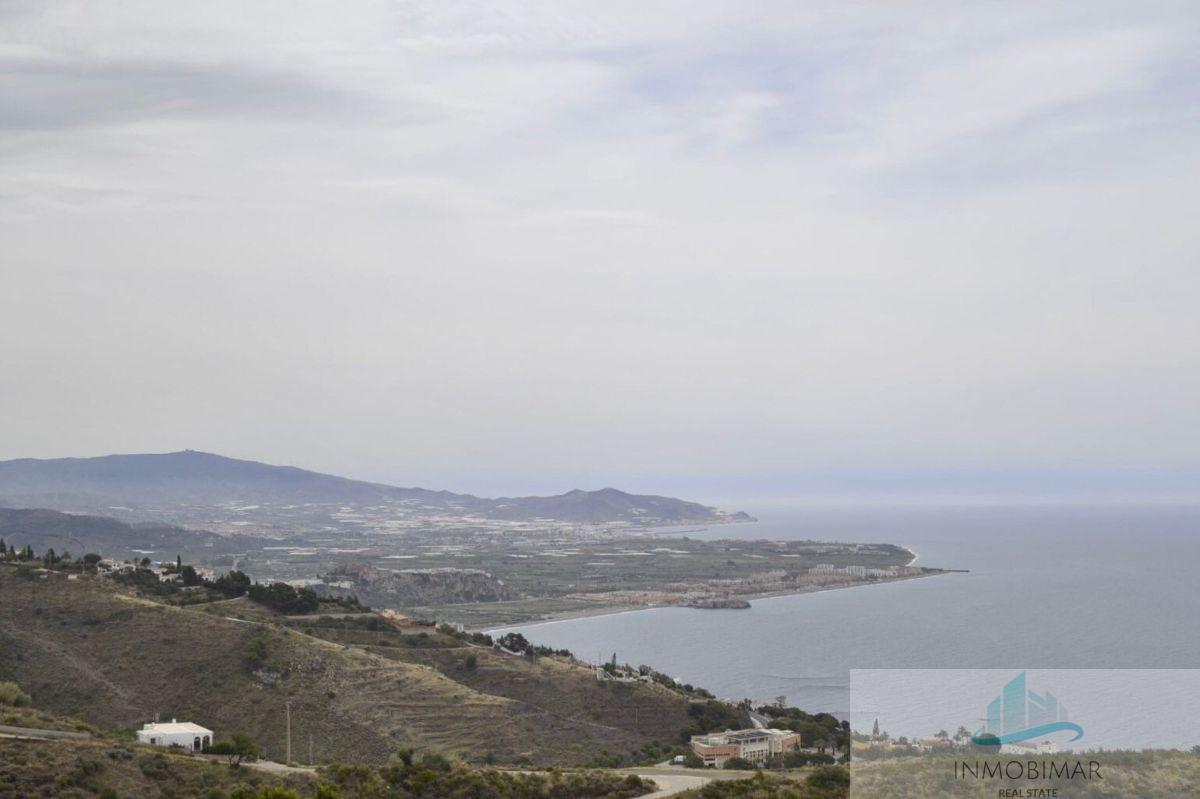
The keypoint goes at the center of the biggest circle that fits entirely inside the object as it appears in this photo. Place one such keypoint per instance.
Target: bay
(1055, 586)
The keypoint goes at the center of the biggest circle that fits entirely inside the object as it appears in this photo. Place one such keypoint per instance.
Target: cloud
(1005, 86)
(42, 94)
(501, 244)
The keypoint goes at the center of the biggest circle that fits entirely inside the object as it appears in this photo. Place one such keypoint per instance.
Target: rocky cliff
(415, 587)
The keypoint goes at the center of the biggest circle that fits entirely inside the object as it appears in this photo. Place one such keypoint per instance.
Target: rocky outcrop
(417, 587)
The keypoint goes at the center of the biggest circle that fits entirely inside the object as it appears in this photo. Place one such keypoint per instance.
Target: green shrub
(274, 792)
(12, 695)
(830, 780)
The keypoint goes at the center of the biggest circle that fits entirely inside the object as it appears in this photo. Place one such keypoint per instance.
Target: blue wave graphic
(1032, 732)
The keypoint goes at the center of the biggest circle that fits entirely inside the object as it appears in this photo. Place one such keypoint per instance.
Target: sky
(714, 249)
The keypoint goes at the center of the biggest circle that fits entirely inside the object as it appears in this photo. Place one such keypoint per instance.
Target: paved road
(279, 768)
(673, 779)
(32, 732)
(267, 765)
(671, 784)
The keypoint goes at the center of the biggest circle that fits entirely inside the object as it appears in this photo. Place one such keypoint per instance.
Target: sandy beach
(612, 610)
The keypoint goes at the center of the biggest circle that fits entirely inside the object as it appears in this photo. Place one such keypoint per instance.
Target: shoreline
(613, 610)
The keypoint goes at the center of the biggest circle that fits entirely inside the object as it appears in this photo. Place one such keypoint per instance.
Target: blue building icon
(1018, 714)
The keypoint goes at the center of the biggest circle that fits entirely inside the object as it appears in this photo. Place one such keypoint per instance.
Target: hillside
(108, 768)
(149, 486)
(607, 504)
(115, 767)
(186, 477)
(43, 529)
(115, 660)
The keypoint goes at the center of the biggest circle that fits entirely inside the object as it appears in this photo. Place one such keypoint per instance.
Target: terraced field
(86, 648)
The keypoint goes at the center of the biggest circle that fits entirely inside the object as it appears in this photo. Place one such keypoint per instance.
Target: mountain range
(155, 481)
(45, 529)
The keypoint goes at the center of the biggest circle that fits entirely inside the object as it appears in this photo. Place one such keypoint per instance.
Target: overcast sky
(719, 249)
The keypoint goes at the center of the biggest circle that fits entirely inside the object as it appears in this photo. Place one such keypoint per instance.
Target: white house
(190, 736)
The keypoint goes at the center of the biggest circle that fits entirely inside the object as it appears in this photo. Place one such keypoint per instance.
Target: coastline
(612, 610)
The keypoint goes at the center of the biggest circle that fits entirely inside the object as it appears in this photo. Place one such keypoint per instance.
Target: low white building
(184, 734)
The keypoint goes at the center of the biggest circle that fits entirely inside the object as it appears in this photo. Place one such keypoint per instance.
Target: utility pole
(288, 759)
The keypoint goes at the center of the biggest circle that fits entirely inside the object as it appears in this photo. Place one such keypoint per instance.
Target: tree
(232, 584)
(515, 642)
(471, 662)
(90, 560)
(739, 764)
(237, 747)
(285, 599)
(190, 577)
(145, 563)
(795, 759)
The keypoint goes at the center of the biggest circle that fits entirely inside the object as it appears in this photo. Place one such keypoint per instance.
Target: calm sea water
(1049, 587)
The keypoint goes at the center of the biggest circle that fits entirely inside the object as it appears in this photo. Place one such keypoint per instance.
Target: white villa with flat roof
(184, 734)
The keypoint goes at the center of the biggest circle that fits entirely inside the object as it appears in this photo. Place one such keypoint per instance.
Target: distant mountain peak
(193, 477)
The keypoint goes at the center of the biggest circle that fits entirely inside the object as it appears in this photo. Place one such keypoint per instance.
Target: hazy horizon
(682, 249)
(882, 490)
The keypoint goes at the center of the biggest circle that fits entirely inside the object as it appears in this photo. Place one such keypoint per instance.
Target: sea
(1046, 587)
